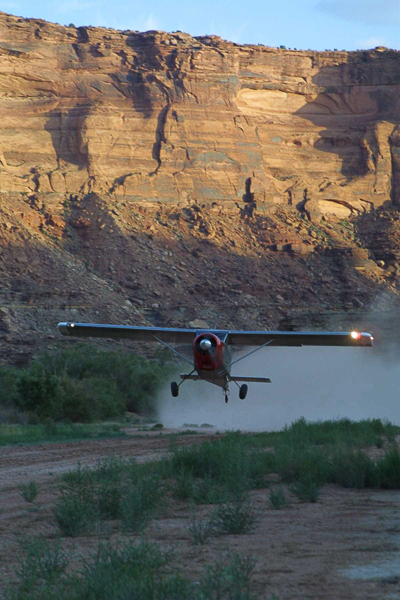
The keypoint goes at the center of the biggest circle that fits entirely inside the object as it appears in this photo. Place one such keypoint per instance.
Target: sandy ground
(346, 546)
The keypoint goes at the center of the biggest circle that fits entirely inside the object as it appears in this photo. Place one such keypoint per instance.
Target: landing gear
(174, 389)
(243, 391)
(226, 398)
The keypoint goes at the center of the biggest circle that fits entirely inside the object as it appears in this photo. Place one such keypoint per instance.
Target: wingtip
(63, 328)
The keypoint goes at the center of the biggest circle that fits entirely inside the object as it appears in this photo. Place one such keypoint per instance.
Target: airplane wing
(300, 338)
(171, 335)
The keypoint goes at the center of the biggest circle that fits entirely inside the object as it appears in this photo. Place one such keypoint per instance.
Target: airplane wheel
(174, 389)
(243, 391)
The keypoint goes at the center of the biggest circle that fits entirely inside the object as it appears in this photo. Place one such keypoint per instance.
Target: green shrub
(306, 489)
(184, 485)
(140, 502)
(132, 377)
(388, 469)
(295, 462)
(141, 571)
(76, 514)
(277, 498)
(82, 383)
(201, 531)
(89, 399)
(227, 579)
(38, 393)
(209, 491)
(235, 517)
(338, 432)
(8, 380)
(115, 488)
(41, 560)
(127, 570)
(353, 469)
(225, 464)
(29, 491)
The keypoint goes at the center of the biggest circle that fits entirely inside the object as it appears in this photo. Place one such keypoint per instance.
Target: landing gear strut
(243, 391)
(174, 389)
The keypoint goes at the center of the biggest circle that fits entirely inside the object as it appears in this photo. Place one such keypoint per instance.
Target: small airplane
(213, 349)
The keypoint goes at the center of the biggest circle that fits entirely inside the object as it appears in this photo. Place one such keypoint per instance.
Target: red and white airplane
(213, 349)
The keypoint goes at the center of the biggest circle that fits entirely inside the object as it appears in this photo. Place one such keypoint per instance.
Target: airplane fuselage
(212, 357)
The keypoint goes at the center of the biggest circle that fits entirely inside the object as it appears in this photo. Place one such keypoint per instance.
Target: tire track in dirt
(19, 464)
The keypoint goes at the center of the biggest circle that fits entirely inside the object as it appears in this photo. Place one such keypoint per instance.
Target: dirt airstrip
(347, 546)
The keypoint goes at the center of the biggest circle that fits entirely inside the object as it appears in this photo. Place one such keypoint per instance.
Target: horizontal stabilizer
(250, 379)
(190, 377)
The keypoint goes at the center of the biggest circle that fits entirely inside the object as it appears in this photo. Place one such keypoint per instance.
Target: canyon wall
(172, 118)
(153, 178)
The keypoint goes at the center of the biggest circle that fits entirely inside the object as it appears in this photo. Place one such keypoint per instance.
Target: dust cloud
(315, 383)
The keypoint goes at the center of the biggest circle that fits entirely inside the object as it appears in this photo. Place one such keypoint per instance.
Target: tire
(243, 391)
(174, 389)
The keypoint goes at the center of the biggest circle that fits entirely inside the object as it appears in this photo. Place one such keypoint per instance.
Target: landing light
(72, 325)
(356, 335)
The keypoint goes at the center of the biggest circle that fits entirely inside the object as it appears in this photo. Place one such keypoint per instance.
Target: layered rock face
(176, 118)
(148, 178)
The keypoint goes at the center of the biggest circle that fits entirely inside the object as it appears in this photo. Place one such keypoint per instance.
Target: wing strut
(173, 350)
(248, 354)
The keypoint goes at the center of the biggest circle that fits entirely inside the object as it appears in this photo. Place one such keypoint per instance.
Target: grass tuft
(201, 531)
(29, 491)
(42, 561)
(76, 515)
(229, 580)
(234, 517)
(277, 498)
(306, 490)
(140, 502)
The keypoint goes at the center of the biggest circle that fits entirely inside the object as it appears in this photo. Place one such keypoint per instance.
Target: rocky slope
(159, 178)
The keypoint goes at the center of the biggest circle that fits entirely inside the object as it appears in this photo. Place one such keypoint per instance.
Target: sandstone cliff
(153, 177)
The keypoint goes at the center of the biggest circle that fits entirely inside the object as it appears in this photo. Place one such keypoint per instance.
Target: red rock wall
(177, 119)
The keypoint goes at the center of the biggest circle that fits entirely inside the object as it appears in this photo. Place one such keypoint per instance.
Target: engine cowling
(208, 352)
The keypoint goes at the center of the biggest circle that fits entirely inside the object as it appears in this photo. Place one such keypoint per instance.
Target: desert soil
(347, 546)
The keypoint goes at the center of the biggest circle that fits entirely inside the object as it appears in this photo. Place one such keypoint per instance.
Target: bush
(294, 462)
(140, 502)
(353, 469)
(136, 379)
(8, 380)
(388, 469)
(76, 515)
(115, 489)
(224, 466)
(235, 517)
(227, 579)
(129, 570)
(277, 498)
(42, 561)
(184, 485)
(200, 531)
(338, 432)
(83, 384)
(38, 392)
(29, 491)
(306, 490)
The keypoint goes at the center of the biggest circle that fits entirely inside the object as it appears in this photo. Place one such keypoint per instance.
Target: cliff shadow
(347, 111)
(65, 128)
